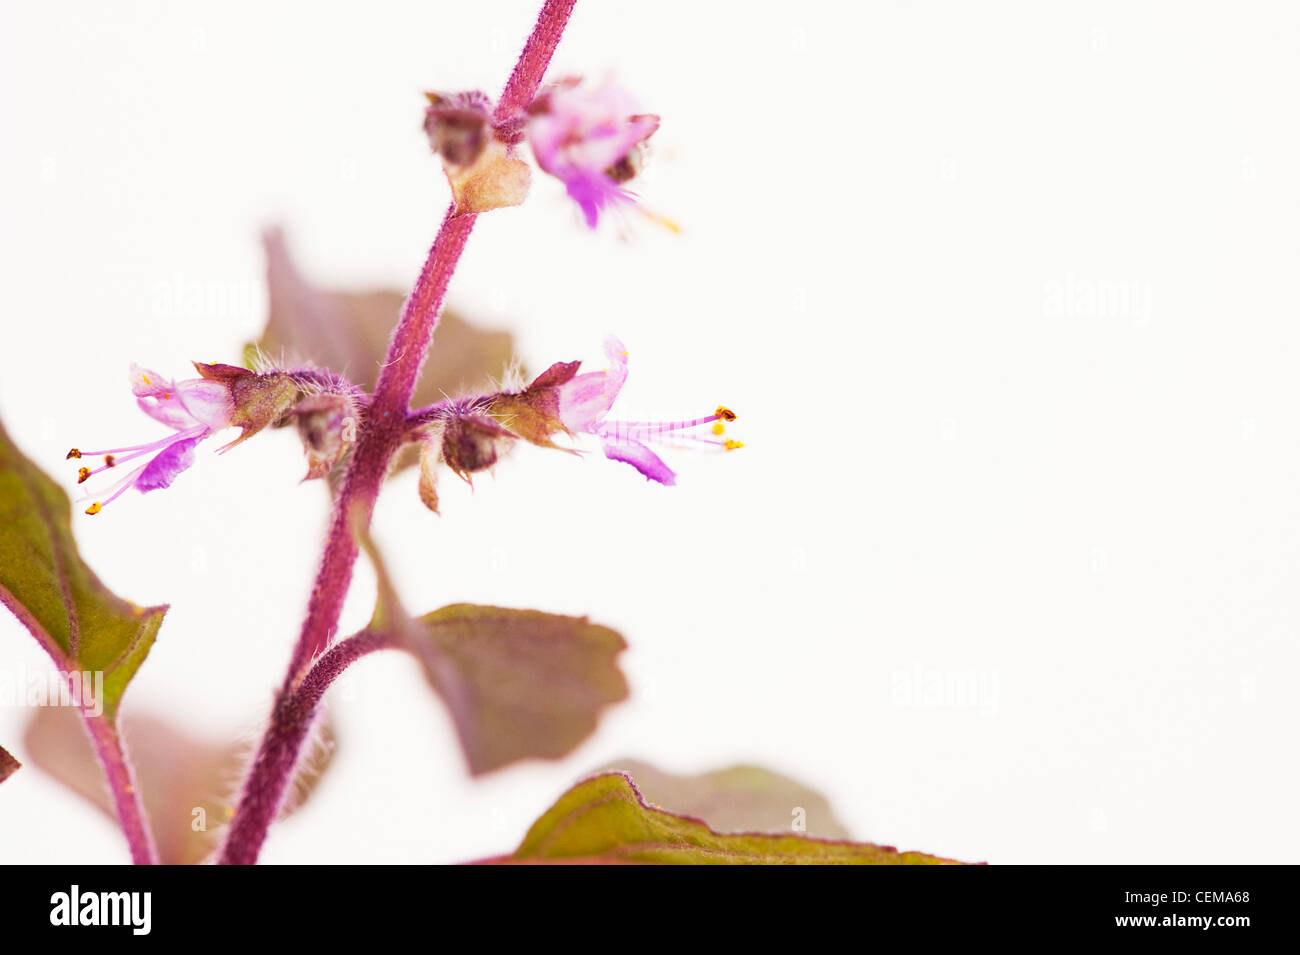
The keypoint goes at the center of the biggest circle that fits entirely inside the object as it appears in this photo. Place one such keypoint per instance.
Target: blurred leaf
(81, 624)
(739, 799)
(604, 820)
(519, 683)
(348, 332)
(177, 775)
(8, 765)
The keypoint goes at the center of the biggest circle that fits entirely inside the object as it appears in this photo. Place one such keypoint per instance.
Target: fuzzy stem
(335, 660)
(531, 66)
(383, 429)
(291, 720)
(122, 786)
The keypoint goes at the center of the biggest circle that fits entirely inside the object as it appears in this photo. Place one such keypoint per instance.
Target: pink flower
(591, 140)
(193, 409)
(585, 401)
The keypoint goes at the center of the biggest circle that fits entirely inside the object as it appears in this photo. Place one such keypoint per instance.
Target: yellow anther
(719, 427)
(731, 445)
(664, 221)
(726, 414)
(146, 379)
(74, 453)
(95, 508)
(82, 474)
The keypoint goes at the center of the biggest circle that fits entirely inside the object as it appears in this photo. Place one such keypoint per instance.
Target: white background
(1004, 295)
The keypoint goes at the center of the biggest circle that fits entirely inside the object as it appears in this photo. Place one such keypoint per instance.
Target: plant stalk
(380, 436)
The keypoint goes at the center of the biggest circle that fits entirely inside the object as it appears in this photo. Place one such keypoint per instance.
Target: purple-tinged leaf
(519, 683)
(188, 784)
(604, 820)
(8, 765)
(737, 799)
(83, 626)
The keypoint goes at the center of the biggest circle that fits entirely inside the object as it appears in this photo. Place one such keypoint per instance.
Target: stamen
(112, 460)
(726, 414)
(731, 445)
(633, 427)
(74, 453)
(117, 489)
(82, 474)
(135, 450)
(127, 482)
(719, 427)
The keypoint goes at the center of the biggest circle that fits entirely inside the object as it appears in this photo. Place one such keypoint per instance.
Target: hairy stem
(383, 429)
(122, 786)
(337, 659)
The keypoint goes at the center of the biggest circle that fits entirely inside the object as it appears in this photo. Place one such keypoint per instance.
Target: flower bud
(481, 168)
(327, 425)
(458, 126)
(471, 443)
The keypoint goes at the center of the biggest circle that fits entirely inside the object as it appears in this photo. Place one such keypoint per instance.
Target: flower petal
(586, 399)
(593, 192)
(167, 464)
(169, 410)
(207, 401)
(149, 384)
(635, 453)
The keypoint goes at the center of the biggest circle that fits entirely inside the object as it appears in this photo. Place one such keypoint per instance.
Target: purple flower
(591, 140)
(193, 409)
(585, 401)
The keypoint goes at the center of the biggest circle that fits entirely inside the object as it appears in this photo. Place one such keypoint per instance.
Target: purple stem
(108, 747)
(122, 786)
(382, 432)
(335, 660)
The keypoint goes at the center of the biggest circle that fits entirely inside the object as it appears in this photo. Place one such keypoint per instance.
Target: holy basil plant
(518, 684)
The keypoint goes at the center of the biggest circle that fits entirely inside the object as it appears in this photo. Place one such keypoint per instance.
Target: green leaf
(186, 783)
(738, 799)
(81, 624)
(8, 765)
(348, 332)
(518, 683)
(604, 819)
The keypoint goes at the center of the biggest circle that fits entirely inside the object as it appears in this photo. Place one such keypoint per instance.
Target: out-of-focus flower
(591, 139)
(481, 167)
(225, 396)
